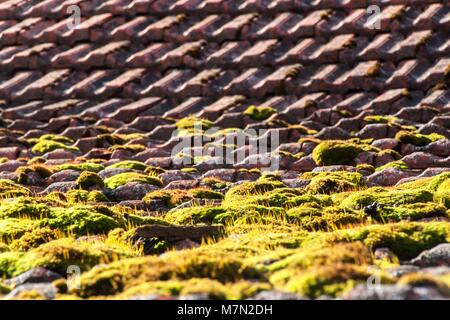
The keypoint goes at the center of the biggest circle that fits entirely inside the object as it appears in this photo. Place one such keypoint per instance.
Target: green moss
(57, 138)
(154, 171)
(182, 265)
(363, 167)
(399, 164)
(24, 208)
(329, 153)
(43, 171)
(86, 166)
(126, 177)
(8, 189)
(259, 113)
(34, 239)
(413, 211)
(192, 170)
(129, 164)
(134, 148)
(45, 146)
(406, 240)
(88, 179)
(13, 228)
(250, 214)
(380, 119)
(82, 220)
(194, 215)
(243, 192)
(203, 193)
(189, 124)
(84, 196)
(328, 280)
(171, 198)
(417, 139)
(58, 255)
(332, 182)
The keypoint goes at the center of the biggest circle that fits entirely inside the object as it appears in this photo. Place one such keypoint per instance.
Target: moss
(129, 164)
(399, 164)
(88, 179)
(45, 146)
(246, 190)
(134, 148)
(311, 200)
(425, 280)
(171, 198)
(259, 113)
(9, 189)
(34, 239)
(329, 153)
(394, 154)
(215, 183)
(190, 123)
(36, 160)
(84, 196)
(328, 280)
(43, 171)
(194, 215)
(380, 119)
(126, 177)
(57, 138)
(332, 182)
(82, 220)
(203, 193)
(382, 196)
(406, 240)
(24, 208)
(182, 265)
(154, 171)
(413, 211)
(191, 170)
(13, 228)
(417, 139)
(58, 255)
(363, 167)
(250, 214)
(86, 166)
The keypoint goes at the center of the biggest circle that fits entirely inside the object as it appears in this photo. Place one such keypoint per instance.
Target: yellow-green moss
(417, 139)
(126, 177)
(329, 153)
(259, 113)
(129, 164)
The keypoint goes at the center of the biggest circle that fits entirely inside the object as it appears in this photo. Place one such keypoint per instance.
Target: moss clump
(44, 146)
(399, 164)
(171, 198)
(363, 167)
(43, 171)
(328, 280)
(86, 166)
(203, 193)
(57, 138)
(215, 183)
(243, 192)
(34, 239)
(329, 153)
(9, 190)
(313, 219)
(194, 215)
(126, 177)
(259, 113)
(189, 125)
(88, 179)
(332, 182)
(58, 255)
(417, 139)
(24, 208)
(154, 171)
(129, 164)
(406, 240)
(13, 228)
(84, 196)
(182, 265)
(380, 119)
(134, 148)
(251, 214)
(82, 220)
(425, 280)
